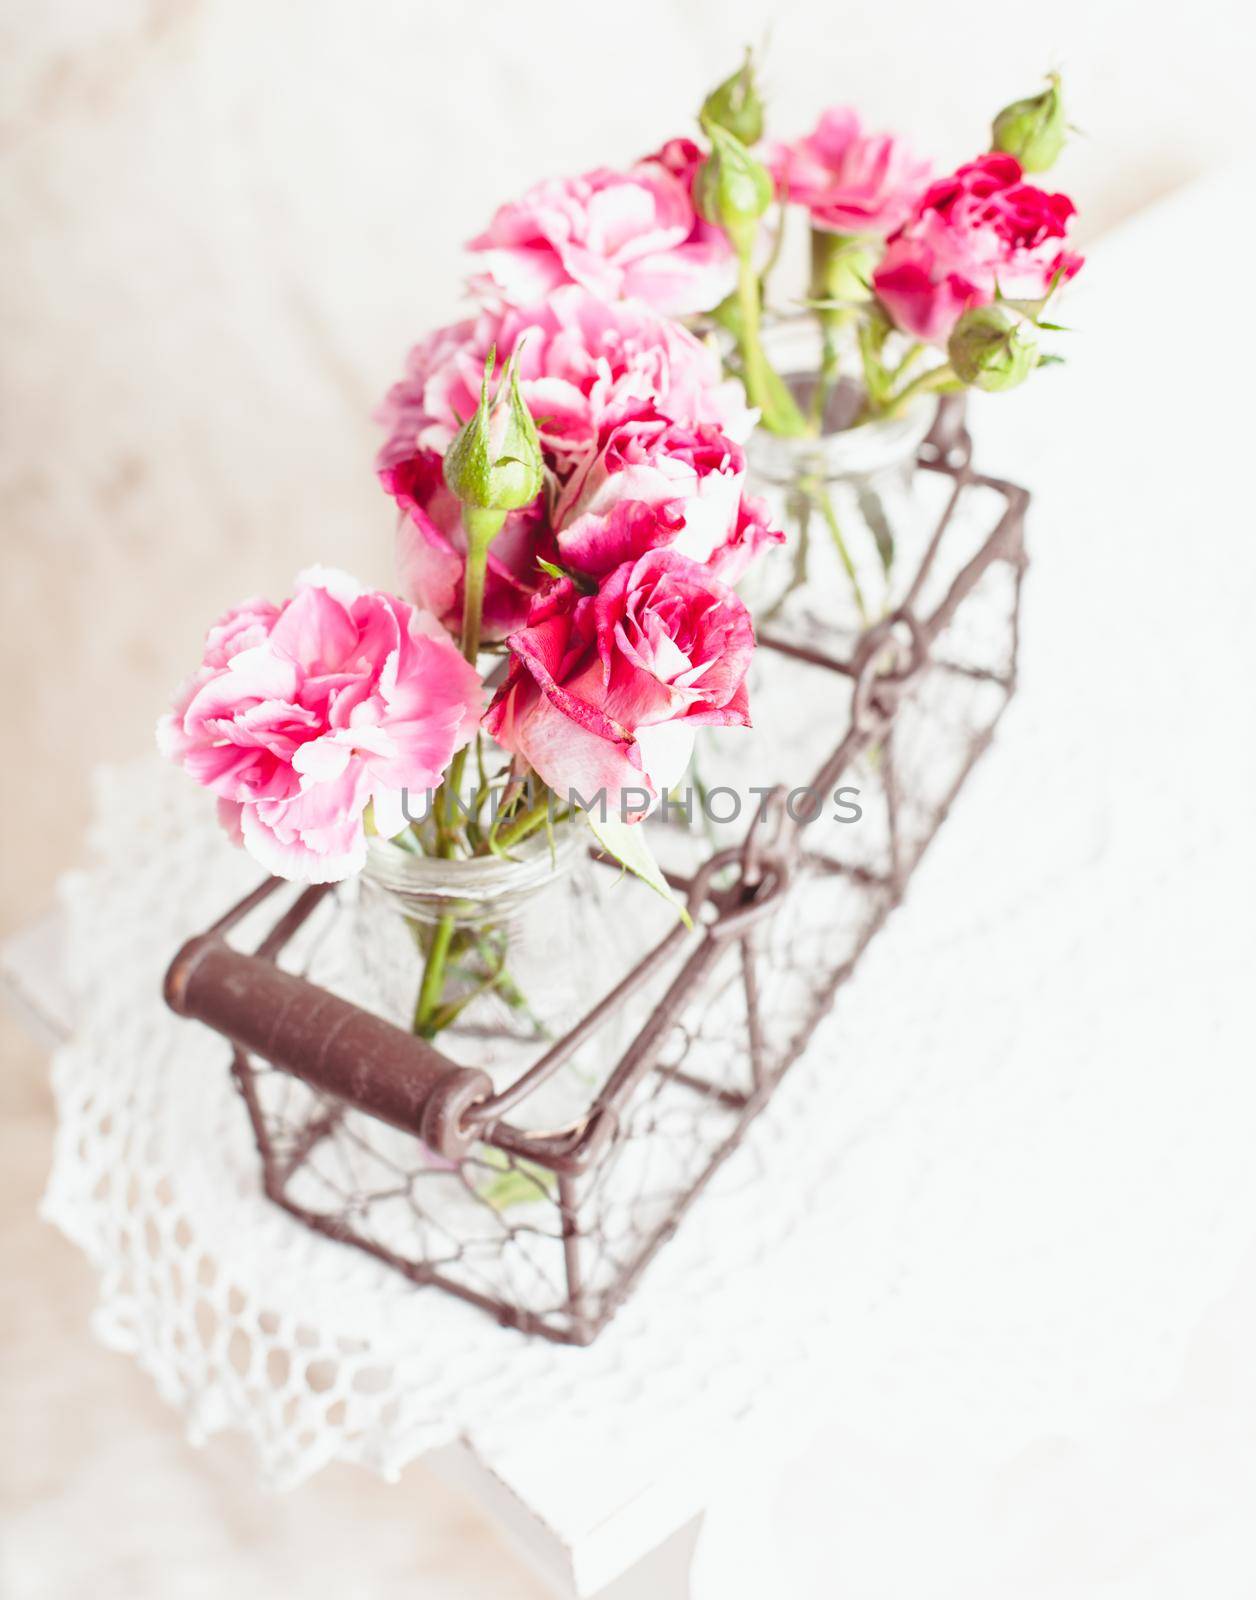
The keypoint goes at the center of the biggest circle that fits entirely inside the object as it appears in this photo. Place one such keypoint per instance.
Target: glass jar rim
(534, 863)
(847, 452)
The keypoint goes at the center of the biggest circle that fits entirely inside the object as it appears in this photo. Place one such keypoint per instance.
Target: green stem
(931, 382)
(825, 285)
(527, 822)
(448, 1014)
(753, 359)
(910, 358)
(830, 325)
(799, 508)
(778, 239)
(433, 983)
(513, 788)
(482, 527)
(816, 492)
(876, 379)
(765, 389)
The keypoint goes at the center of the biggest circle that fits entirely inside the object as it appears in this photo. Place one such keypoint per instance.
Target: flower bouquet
(481, 760)
(917, 288)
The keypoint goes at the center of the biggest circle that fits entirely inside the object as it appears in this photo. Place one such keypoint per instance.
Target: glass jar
(847, 500)
(495, 960)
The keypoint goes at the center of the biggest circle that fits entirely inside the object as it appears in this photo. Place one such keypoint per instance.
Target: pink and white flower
(583, 361)
(432, 549)
(596, 543)
(620, 235)
(693, 472)
(640, 434)
(752, 533)
(681, 157)
(302, 715)
(403, 411)
(606, 689)
(852, 182)
(981, 229)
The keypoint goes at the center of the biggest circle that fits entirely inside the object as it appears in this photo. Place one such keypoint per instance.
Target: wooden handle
(327, 1042)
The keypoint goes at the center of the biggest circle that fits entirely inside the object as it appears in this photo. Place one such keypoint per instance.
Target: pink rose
(583, 361)
(432, 549)
(605, 689)
(302, 714)
(620, 235)
(851, 182)
(979, 229)
(692, 472)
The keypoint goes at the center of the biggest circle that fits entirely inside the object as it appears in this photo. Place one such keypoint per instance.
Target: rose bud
(988, 349)
(735, 105)
(494, 460)
(732, 189)
(1033, 130)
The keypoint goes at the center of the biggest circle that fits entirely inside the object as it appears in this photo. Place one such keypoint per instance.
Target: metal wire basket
(374, 1138)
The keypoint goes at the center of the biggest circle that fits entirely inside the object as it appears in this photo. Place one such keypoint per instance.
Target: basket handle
(327, 1042)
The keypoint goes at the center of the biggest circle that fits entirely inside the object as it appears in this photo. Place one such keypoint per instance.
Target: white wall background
(225, 219)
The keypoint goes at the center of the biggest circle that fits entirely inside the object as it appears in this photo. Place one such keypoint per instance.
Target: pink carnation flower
(691, 472)
(620, 235)
(595, 543)
(303, 714)
(584, 362)
(681, 157)
(851, 182)
(641, 436)
(432, 549)
(606, 689)
(404, 412)
(980, 229)
(751, 534)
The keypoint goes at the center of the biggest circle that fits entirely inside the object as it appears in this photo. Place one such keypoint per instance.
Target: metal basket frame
(354, 1060)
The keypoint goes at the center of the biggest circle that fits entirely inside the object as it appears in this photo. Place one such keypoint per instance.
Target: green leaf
(518, 1183)
(628, 844)
(551, 569)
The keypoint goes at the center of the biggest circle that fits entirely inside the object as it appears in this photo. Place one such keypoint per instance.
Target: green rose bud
(990, 350)
(735, 105)
(732, 189)
(494, 462)
(1033, 130)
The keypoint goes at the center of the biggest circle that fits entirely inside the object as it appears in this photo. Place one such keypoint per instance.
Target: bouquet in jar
(570, 469)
